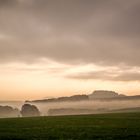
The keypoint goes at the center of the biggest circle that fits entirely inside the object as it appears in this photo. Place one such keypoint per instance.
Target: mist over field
(79, 107)
(89, 105)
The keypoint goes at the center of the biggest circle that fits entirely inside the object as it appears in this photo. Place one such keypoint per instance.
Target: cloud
(105, 75)
(128, 77)
(4, 3)
(75, 31)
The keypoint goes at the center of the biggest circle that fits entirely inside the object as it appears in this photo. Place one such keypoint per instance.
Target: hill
(111, 95)
(96, 95)
(103, 94)
(63, 99)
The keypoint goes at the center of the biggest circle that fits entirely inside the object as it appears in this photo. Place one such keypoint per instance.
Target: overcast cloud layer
(102, 32)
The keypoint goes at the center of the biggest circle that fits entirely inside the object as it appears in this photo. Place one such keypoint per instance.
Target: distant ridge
(104, 94)
(63, 99)
(96, 95)
(111, 95)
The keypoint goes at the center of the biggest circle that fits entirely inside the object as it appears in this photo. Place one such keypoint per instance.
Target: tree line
(27, 110)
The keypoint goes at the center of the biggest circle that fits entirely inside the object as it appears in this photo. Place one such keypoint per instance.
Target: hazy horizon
(53, 48)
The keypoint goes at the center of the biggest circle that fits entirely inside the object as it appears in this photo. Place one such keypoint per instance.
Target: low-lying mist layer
(81, 107)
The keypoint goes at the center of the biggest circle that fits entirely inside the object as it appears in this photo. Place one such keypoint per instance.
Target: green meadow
(117, 126)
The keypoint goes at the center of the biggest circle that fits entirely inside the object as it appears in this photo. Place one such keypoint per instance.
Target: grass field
(121, 126)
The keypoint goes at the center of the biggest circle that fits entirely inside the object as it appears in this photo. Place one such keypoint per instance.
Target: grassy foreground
(95, 127)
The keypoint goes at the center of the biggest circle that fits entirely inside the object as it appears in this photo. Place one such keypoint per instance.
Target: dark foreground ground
(121, 126)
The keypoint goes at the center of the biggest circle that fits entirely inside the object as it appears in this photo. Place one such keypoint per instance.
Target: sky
(51, 48)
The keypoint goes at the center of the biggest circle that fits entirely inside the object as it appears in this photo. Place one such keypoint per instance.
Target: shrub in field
(28, 110)
(8, 111)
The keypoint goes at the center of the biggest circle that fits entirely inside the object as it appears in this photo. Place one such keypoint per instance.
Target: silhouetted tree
(8, 111)
(28, 110)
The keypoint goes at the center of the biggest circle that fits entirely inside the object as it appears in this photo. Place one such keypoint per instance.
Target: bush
(29, 110)
(8, 111)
